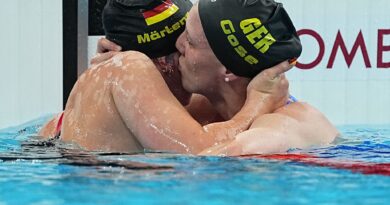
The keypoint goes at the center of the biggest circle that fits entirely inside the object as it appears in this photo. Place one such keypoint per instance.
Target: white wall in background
(30, 59)
(360, 93)
(92, 46)
(354, 95)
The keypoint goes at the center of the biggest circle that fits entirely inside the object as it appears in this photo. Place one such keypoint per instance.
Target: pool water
(63, 174)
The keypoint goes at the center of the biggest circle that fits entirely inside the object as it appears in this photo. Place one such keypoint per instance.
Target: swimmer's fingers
(273, 83)
(101, 57)
(105, 45)
(278, 70)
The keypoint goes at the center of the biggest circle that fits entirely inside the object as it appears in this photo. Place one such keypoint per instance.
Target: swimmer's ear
(229, 76)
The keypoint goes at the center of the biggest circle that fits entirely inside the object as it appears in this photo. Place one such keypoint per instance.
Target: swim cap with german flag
(248, 36)
(148, 26)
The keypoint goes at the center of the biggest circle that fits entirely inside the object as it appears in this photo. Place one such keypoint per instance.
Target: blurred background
(344, 69)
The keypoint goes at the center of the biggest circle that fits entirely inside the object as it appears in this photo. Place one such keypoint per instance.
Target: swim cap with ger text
(248, 36)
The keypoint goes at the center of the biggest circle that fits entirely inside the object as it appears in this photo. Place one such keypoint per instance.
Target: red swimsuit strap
(59, 125)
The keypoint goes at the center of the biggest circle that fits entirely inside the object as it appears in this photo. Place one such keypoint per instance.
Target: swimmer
(297, 125)
(228, 42)
(128, 103)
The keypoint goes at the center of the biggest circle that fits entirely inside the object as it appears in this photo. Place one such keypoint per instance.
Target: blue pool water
(31, 174)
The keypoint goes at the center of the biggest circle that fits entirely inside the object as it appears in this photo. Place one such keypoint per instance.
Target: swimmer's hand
(272, 86)
(104, 45)
(105, 50)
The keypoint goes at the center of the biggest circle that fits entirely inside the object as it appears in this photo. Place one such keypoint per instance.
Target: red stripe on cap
(159, 9)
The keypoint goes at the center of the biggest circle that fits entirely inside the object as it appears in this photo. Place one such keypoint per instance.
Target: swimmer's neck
(228, 99)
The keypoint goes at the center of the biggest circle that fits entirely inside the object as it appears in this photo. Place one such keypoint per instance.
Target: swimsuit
(59, 126)
(291, 99)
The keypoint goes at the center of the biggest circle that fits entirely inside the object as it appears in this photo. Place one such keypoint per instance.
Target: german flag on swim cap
(148, 26)
(248, 36)
(159, 13)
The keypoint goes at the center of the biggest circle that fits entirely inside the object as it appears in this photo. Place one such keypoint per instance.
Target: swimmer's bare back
(91, 117)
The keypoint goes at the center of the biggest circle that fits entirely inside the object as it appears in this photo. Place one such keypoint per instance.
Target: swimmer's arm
(153, 114)
(160, 122)
(254, 141)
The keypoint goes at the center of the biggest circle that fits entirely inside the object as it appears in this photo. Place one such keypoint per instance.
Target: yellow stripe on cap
(162, 16)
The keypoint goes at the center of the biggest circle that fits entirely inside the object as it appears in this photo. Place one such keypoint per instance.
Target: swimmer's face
(199, 67)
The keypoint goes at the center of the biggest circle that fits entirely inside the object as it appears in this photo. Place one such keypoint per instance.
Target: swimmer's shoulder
(134, 57)
(131, 62)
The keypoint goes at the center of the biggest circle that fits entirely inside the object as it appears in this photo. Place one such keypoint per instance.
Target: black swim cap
(248, 36)
(148, 26)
